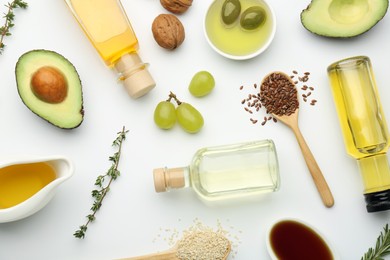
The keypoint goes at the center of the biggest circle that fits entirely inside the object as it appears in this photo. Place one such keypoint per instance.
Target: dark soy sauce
(291, 240)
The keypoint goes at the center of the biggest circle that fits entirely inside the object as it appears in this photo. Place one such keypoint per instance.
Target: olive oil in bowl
(240, 39)
(28, 183)
(21, 181)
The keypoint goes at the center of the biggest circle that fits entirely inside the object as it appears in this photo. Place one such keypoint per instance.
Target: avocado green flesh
(67, 114)
(343, 18)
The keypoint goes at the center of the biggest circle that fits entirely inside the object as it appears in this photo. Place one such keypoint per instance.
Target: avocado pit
(49, 85)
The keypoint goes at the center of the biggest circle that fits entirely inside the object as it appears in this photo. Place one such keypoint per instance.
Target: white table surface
(133, 218)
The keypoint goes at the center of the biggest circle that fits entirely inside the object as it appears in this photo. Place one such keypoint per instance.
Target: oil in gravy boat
(28, 183)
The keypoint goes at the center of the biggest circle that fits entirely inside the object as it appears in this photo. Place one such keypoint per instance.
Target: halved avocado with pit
(49, 86)
(343, 18)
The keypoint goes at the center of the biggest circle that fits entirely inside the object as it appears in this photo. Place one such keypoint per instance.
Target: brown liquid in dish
(291, 240)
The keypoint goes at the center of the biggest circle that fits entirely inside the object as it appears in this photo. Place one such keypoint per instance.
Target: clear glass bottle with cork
(363, 125)
(107, 27)
(228, 172)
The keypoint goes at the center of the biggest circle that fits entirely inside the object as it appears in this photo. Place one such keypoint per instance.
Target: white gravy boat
(63, 169)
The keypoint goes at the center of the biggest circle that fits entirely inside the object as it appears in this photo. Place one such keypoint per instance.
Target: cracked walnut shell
(168, 31)
(176, 6)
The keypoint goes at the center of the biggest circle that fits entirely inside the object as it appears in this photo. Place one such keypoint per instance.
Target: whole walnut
(176, 6)
(168, 31)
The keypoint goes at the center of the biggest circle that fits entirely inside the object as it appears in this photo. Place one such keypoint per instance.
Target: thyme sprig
(103, 183)
(382, 247)
(9, 20)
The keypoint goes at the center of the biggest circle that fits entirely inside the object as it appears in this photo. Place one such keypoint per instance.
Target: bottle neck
(376, 177)
(166, 179)
(375, 172)
(134, 75)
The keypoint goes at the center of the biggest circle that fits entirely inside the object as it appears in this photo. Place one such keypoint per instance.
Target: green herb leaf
(103, 183)
(9, 18)
(382, 246)
(81, 232)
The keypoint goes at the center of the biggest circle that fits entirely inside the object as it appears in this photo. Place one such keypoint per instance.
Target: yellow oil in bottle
(361, 115)
(20, 182)
(363, 125)
(106, 27)
(233, 39)
(362, 121)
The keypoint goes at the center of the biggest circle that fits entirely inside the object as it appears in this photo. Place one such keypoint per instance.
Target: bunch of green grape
(188, 117)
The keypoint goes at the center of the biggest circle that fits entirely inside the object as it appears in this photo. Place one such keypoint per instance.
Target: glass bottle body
(231, 171)
(360, 111)
(363, 123)
(106, 25)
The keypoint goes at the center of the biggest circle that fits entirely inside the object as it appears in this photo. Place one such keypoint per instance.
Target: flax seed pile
(307, 90)
(256, 102)
(279, 95)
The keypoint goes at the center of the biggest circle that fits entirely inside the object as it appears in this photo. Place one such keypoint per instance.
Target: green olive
(253, 17)
(231, 10)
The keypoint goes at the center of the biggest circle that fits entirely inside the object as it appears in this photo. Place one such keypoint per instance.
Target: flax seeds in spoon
(279, 95)
(253, 105)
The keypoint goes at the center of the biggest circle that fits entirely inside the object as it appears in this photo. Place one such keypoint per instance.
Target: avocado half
(50, 87)
(343, 18)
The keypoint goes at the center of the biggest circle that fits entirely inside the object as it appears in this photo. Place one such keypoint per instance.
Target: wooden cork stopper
(166, 179)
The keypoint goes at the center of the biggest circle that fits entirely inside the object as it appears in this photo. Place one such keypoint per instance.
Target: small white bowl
(63, 169)
(307, 226)
(256, 52)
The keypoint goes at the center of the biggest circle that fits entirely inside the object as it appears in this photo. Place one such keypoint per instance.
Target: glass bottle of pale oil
(228, 172)
(107, 27)
(363, 125)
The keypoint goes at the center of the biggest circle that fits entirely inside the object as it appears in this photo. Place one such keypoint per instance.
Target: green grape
(189, 118)
(165, 115)
(202, 83)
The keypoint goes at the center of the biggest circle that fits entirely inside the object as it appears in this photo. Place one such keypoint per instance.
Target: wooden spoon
(169, 254)
(315, 171)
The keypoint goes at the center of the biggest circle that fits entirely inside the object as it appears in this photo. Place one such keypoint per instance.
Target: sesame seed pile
(204, 244)
(201, 242)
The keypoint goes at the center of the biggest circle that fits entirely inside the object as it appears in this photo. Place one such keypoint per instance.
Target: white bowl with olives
(239, 29)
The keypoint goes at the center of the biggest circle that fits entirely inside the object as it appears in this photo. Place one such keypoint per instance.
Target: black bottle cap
(378, 201)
